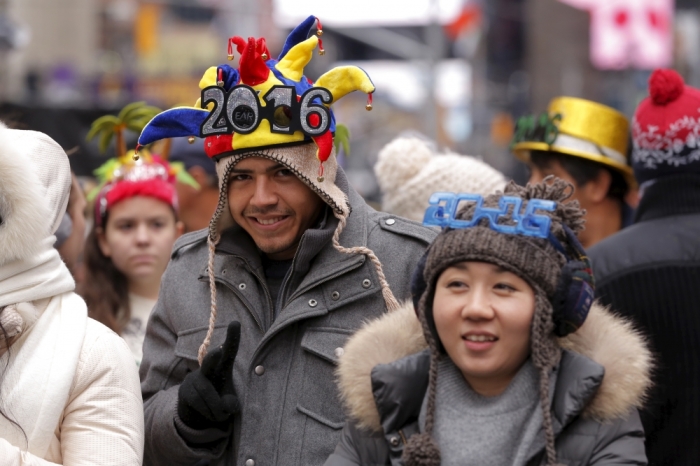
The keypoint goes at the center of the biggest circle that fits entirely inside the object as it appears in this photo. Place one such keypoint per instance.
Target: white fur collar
(605, 338)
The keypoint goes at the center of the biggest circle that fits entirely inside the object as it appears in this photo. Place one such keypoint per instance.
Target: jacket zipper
(403, 437)
(283, 291)
(263, 283)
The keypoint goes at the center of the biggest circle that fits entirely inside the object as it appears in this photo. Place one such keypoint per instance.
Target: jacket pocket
(319, 400)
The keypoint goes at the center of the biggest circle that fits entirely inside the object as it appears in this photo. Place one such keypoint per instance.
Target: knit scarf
(42, 362)
(41, 276)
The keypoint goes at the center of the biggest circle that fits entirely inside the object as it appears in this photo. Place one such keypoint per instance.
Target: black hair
(582, 170)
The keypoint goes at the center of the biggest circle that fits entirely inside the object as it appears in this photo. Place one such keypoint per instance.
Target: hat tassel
(389, 299)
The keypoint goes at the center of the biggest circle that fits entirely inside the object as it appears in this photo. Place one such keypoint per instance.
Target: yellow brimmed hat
(580, 128)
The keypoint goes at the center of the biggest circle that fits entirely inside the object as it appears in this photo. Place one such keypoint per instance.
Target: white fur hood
(605, 338)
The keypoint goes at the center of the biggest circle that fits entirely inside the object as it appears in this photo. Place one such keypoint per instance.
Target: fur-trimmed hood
(604, 338)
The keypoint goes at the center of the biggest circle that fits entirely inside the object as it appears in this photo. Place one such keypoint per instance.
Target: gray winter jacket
(284, 371)
(602, 378)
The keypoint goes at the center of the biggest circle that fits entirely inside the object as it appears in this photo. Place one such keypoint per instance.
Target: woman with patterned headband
(135, 227)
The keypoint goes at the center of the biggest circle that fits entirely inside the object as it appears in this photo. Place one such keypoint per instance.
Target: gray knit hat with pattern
(533, 259)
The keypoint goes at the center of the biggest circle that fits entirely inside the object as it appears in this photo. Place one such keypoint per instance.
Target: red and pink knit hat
(123, 178)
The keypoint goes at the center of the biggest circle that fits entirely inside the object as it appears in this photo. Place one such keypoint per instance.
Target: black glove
(206, 397)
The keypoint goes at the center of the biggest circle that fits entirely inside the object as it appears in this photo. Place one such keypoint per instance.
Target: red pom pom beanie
(666, 129)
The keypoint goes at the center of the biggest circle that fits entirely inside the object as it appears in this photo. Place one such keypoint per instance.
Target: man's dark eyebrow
(245, 171)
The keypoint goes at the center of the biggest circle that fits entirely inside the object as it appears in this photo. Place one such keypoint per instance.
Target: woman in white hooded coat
(69, 389)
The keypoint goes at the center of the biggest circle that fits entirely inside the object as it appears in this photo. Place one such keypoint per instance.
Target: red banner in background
(629, 33)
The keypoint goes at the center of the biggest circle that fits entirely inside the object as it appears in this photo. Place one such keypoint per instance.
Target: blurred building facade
(462, 76)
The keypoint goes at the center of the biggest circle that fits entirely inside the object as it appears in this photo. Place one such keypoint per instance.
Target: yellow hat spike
(293, 63)
(345, 79)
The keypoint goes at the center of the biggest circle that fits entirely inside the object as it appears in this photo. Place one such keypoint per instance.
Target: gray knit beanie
(533, 259)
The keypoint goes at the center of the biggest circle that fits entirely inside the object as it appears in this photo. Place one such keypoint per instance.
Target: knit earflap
(421, 449)
(546, 355)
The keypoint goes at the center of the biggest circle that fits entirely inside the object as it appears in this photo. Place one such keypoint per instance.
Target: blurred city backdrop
(458, 71)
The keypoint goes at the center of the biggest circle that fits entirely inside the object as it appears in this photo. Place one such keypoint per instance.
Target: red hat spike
(240, 43)
(136, 155)
(230, 48)
(368, 107)
(262, 48)
(252, 67)
(665, 86)
(319, 33)
(324, 142)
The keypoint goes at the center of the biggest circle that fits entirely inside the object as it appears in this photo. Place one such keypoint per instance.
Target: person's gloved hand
(206, 398)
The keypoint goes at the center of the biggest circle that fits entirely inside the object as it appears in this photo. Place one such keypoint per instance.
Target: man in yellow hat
(585, 143)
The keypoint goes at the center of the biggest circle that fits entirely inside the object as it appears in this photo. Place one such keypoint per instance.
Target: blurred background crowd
(459, 71)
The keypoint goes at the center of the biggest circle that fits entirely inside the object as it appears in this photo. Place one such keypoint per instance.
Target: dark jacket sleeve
(620, 442)
(161, 372)
(358, 447)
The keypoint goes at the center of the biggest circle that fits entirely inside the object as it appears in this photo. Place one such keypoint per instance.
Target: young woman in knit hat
(512, 374)
(69, 389)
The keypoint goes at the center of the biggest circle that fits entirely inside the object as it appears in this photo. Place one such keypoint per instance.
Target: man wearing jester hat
(254, 312)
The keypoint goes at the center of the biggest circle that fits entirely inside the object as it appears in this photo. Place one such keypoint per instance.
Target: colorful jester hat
(126, 175)
(268, 108)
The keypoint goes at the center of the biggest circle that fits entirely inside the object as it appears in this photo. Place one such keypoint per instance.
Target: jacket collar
(669, 196)
(604, 370)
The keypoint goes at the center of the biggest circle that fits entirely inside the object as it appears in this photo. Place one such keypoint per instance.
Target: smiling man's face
(274, 206)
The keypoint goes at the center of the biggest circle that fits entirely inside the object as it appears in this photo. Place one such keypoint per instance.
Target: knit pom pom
(421, 450)
(401, 160)
(665, 86)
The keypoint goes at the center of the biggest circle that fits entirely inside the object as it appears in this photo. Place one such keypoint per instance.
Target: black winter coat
(593, 406)
(650, 272)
